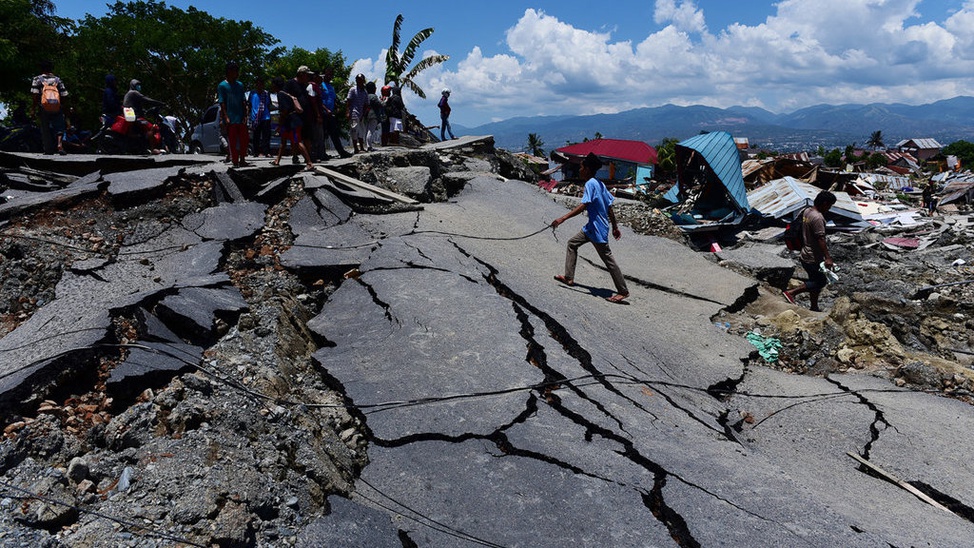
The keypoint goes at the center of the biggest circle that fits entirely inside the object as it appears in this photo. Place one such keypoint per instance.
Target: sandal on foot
(618, 298)
(564, 280)
(309, 167)
(275, 163)
(788, 297)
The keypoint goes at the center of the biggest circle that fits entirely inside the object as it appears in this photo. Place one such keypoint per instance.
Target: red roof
(637, 152)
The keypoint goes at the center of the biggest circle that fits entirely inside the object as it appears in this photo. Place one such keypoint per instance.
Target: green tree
(964, 150)
(29, 34)
(850, 154)
(876, 140)
(397, 63)
(876, 159)
(178, 55)
(833, 158)
(666, 156)
(534, 145)
(598, 135)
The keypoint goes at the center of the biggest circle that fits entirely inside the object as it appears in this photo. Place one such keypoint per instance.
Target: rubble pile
(108, 444)
(903, 312)
(189, 403)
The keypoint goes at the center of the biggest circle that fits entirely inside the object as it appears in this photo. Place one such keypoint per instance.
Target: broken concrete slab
(194, 310)
(351, 525)
(332, 209)
(129, 186)
(228, 221)
(412, 181)
(338, 248)
(151, 362)
(19, 202)
(759, 261)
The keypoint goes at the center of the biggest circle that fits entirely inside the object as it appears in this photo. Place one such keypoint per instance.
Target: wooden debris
(893, 479)
(351, 181)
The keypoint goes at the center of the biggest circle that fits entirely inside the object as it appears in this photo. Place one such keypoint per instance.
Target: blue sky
(572, 57)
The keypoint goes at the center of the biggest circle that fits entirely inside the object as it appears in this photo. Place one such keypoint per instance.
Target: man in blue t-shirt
(233, 114)
(597, 201)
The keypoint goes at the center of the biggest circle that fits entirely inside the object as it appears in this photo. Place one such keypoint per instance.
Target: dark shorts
(816, 278)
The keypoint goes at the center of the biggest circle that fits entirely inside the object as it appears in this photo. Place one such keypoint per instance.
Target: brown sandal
(567, 281)
(618, 298)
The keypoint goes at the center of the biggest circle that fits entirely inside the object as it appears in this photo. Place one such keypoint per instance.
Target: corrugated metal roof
(890, 181)
(721, 154)
(636, 152)
(920, 143)
(783, 198)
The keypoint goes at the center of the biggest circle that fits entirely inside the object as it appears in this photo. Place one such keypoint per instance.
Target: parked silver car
(207, 137)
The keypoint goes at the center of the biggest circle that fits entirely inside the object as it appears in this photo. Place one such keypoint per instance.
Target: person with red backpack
(49, 94)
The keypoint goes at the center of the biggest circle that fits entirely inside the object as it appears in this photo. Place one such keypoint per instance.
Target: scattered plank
(351, 181)
(893, 479)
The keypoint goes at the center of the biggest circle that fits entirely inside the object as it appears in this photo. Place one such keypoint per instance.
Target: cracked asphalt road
(504, 409)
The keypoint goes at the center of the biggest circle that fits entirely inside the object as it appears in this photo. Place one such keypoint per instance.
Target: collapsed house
(710, 190)
(785, 198)
(626, 163)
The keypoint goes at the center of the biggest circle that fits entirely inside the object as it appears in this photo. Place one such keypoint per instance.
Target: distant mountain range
(831, 126)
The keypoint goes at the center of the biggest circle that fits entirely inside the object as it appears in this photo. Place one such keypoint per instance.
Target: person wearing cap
(444, 105)
(357, 102)
(297, 87)
(597, 201)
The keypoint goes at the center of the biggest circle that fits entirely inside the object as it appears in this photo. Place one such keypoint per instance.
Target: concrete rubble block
(411, 181)
(272, 191)
(759, 261)
(157, 362)
(193, 310)
(328, 248)
(129, 187)
(355, 195)
(330, 205)
(304, 215)
(153, 329)
(351, 525)
(228, 189)
(227, 222)
(19, 202)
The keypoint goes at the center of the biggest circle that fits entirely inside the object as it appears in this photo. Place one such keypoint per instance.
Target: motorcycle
(24, 138)
(130, 135)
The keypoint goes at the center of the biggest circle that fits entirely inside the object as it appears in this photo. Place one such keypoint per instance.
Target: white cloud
(683, 16)
(833, 51)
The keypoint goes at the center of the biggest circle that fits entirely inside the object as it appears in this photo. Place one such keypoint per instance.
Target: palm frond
(396, 30)
(426, 63)
(410, 51)
(409, 84)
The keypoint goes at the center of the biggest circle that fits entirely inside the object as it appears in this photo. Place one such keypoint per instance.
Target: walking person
(297, 88)
(815, 250)
(290, 124)
(597, 201)
(233, 112)
(48, 106)
(260, 119)
(357, 102)
(444, 105)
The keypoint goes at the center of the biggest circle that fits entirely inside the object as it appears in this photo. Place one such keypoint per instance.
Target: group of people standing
(307, 105)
